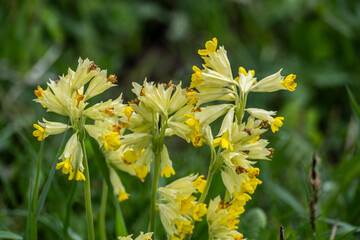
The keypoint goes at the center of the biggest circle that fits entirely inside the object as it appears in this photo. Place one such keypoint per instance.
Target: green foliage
(316, 40)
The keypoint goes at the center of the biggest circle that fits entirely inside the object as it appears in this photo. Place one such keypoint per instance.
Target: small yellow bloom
(252, 172)
(254, 140)
(65, 165)
(184, 228)
(128, 111)
(190, 94)
(175, 238)
(192, 122)
(276, 124)
(186, 203)
(210, 47)
(237, 236)
(141, 171)
(243, 71)
(39, 92)
(123, 196)
(79, 176)
(225, 142)
(111, 141)
(198, 211)
(196, 78)
(197, 140)
(79, 97)
(40, 133)
(289, 83)
(167, 171)
(130, 156)
(199, 183)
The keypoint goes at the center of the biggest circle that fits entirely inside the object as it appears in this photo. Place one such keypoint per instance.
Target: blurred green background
(318, 40)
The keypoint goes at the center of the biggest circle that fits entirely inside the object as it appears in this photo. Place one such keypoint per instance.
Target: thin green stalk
(88, 195)
(207, 186)
(103, 211)
(153, 193)
(33, 222)
(210, 175)
(68, 211)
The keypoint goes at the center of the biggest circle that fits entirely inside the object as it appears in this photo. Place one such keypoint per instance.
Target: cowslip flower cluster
(142, 236)
(68, 97)
(133, 137)
(157, 112)
(179, 208)
(238, 141)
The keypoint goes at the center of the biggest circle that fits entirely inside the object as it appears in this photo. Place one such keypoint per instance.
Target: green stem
(33, 222)
(153, 193)
(88, 195)
(210, 175)
(103, 211)
(68, 211)
(207, 186)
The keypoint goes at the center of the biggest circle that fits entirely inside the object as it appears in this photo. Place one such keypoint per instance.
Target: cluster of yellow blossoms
(179, 208)
(165, 110)
(68, 96)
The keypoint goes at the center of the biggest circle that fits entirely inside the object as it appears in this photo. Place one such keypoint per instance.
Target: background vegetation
(316, 40)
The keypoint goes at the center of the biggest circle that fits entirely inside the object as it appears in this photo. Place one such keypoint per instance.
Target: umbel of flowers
(165, 110)
(68, 97)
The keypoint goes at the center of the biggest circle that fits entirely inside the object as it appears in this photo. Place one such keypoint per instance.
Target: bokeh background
(318, 40)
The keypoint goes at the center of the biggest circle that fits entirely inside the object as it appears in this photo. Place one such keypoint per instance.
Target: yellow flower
(141, 171)
(243, 71)
(199, 183)
(276, 124)
(289, 83)
(225, 142)
(167, 171)
(79, 97)
(186, 203)
(210, 47)
(130, 156)
(39, 92)
(40, 133)
(128, 111)
(65, 165)
(111, 141)
(198, 211)
(184, 228)
(254, 140)
(196, 78)
(79, 176)
(237, 236)
(192, 122)
(123, 196)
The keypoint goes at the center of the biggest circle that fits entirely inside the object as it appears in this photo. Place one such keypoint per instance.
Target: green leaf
(283, 195)
(9, 235)
(354, 104)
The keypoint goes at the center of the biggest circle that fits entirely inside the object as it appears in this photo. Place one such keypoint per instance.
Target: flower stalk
(103, 211)
(89, 216)
(153, 193)
(33, 222)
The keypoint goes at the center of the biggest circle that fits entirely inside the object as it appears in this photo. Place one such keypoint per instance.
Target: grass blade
(354, 104)
(9, 235)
